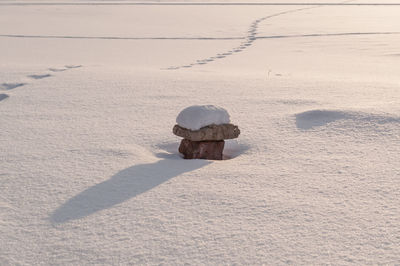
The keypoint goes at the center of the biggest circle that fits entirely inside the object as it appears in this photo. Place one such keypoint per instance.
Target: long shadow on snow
(123, 186)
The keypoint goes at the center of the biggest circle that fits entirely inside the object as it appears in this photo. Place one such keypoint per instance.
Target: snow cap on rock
(198, 116)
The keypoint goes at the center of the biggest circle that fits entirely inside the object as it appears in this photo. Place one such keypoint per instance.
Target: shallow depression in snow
(318, 118)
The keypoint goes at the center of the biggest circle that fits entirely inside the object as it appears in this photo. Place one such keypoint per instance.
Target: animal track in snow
(73, 66)
(3, 97)
(57, 69)
(248, 40)
(10, 86)
(39, 76)
(53, 69)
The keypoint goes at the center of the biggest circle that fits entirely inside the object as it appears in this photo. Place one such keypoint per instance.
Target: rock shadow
(316, 118)
(123, 186)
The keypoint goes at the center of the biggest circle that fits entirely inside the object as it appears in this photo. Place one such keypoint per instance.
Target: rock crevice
(208, 133)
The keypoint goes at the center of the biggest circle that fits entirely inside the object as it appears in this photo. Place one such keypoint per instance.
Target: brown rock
(208, 133)
(211, 150)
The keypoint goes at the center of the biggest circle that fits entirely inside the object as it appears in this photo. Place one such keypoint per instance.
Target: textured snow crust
(198, 116)
(89, 168)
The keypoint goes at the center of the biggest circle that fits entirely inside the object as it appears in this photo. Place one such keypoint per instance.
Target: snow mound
(198, 116)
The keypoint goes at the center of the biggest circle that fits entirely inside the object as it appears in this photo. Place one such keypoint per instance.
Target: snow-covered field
(89, 168)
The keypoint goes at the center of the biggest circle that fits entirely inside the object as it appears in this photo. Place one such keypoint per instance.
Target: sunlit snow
(90, 172)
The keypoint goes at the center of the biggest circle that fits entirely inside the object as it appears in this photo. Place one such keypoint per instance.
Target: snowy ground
(89, 167)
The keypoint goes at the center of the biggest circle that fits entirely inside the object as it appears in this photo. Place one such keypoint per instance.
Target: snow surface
(89, 168)
(198, 116)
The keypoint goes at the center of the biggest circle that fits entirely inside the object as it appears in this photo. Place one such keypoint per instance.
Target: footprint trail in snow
(248, 40)
(10, 86)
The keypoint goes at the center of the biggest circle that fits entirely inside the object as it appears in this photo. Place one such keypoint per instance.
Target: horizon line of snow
(197, 38)
(117, 37)
(195, 4)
